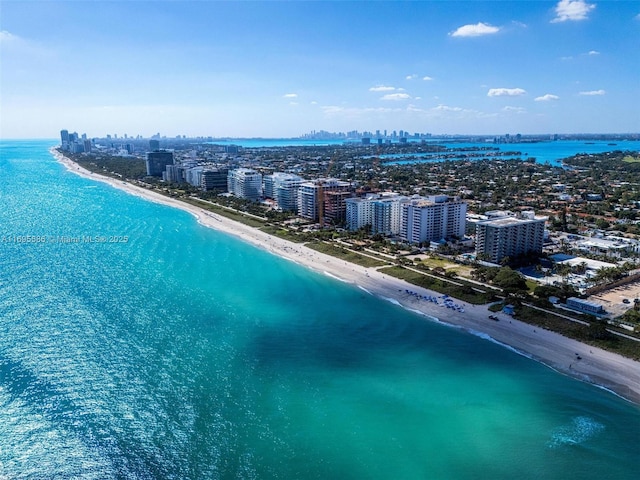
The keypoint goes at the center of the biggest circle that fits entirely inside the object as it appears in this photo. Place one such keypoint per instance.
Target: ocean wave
(486, 336)
(578, 431)
(335, 277)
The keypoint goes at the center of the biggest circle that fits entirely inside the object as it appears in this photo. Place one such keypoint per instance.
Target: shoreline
(601, 368)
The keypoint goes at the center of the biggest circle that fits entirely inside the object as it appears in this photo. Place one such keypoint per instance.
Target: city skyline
(281, 69)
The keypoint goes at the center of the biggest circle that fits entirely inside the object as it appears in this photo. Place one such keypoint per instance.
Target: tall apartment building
(432, 218)
(64, 137)
(333, 196)
(157, 162)
(245, 183)
(382, 212)
(509, 236)
(215, 179)
(283, 188)
(174, 174)
(193, 176)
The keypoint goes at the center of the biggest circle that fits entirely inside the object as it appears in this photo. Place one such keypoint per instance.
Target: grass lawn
(346, 255)
(223, 212)
(464, 292)
(283, 233)
(582, 333)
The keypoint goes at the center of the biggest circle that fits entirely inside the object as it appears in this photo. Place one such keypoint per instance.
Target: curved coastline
(604, 369)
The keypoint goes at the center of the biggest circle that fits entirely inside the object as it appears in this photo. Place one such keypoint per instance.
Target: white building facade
(382, 212)
(433, 218)
(509, 236)
(333, 201)
(283, 188)
(245, 183)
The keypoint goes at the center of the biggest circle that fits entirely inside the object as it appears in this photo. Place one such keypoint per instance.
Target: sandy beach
(608, 370)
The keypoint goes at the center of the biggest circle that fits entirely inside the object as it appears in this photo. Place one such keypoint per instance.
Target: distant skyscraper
(154, 145)
(64, 136)
(157, 162)
(231, 148)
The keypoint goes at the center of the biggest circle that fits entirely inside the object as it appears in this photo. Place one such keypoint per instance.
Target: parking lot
(612, 300)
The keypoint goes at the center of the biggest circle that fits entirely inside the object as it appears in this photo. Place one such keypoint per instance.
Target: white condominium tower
(245, 183)
(283, 188)
(382, 212)
(433, 218)
(330, 192)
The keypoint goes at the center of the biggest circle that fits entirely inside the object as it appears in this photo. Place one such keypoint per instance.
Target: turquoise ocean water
(183, 353)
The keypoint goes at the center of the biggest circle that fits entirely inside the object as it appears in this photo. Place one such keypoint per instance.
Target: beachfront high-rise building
(157, 162)
(433, 218)
(193, 176)
(359, 212)
(283, 188)
(174, 174)
(333, 196)
(64, 138)
(381, 212)
(215, 179)
(509, 236)
(245, 183)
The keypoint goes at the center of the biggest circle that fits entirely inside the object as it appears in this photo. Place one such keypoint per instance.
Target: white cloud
(572, 10)
(7, 36)
(593, 52)
(510, 109)
(290, 95)
(592, 93)
(355, 112)
(395, 96)
(506, 92)
(446, 108)
(314, 102)
(414, 76)
(546, 98)
(382, 88)
(476, 30)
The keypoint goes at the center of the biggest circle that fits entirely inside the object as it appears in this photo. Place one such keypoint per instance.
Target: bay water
(137, 344)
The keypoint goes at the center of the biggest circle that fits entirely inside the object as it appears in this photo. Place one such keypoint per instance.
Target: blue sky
(279, 69)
